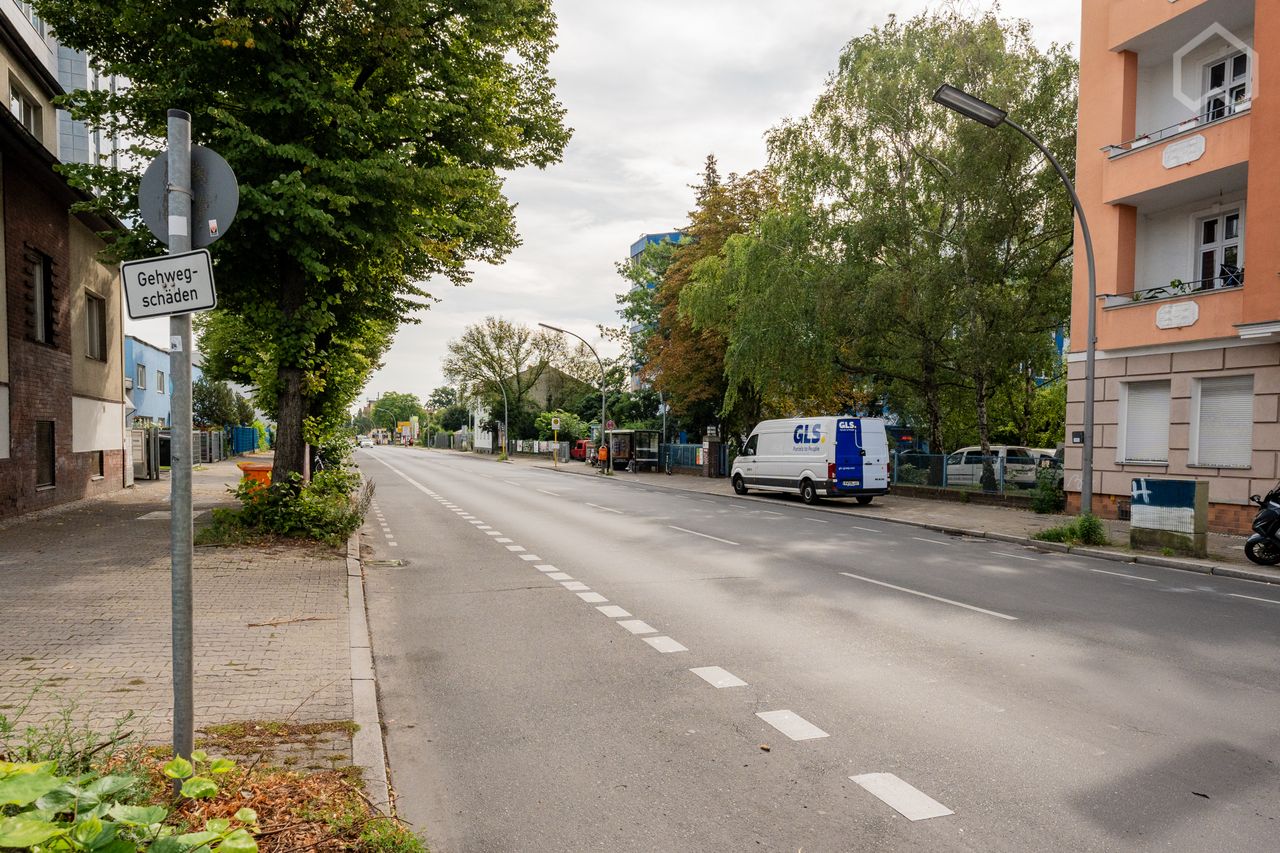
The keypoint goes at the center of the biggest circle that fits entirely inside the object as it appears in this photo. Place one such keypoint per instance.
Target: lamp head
(969, 106)
(552, 328)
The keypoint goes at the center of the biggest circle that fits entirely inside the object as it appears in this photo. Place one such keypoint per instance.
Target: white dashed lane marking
(613, 611)
(666, 645)
(514, 547)
(1016, 556)
(493, 533)
(545, 492)
(638, 626)
(1250, 597)
(703, 535)
(1123, 575)
(559, 576)
(932, 597)
(605, 508)
(592, 597)
(792, 725)
(718, 676)
(922, 539)
(907, 801)
(547, 568)
(574, 586)
(532, 558)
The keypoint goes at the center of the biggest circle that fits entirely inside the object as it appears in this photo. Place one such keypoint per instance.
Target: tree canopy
(367, 141)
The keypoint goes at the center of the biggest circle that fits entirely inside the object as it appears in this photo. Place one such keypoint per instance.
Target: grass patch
(1085, 530)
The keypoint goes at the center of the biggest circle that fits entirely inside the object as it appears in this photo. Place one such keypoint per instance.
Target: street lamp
(980, 111)
(598, 361)
(503, 389)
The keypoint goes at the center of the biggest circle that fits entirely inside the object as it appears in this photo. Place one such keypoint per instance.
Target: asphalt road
(536, 657)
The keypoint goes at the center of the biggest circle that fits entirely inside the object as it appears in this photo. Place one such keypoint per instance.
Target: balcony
(1217, 113)
(1229, 277)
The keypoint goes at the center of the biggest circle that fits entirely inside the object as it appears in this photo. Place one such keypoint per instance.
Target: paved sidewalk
(86, 617)
(1226, 553)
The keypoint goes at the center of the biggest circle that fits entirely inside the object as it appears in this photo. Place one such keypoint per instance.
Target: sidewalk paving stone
(86, 618)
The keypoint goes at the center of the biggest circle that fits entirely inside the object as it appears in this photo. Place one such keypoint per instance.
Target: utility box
(1171, 514)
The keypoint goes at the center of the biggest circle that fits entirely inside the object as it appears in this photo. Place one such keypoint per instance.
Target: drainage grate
(385, 564)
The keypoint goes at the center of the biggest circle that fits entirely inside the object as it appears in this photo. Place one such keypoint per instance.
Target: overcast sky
(651, 87)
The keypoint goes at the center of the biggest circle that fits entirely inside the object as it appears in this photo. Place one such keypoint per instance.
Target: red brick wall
(35, 222)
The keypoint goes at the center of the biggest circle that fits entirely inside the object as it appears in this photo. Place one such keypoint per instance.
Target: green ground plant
(1047, 496)
(1085, 530)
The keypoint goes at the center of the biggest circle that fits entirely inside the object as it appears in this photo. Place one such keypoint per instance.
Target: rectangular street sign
(169, 284)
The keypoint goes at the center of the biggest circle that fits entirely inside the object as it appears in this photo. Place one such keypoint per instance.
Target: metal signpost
(555, 438)
(183, 185)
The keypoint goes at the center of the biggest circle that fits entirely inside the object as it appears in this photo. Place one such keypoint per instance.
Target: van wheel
(865, 499)
(808, 493)
(738, 486)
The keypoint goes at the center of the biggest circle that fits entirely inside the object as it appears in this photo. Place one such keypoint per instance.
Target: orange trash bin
(256, 472)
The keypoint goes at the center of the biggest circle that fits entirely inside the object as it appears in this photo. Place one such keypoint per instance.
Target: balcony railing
(1213, 116)
(1229, 277)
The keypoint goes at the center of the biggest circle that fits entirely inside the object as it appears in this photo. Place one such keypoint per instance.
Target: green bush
(325, 509)
(1046, 497)
(910, 475)
(1085, 530)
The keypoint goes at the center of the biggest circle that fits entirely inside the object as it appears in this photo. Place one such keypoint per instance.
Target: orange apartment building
(1178, 169)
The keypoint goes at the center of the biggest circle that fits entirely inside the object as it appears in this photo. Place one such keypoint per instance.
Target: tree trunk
(1028, 398)
(290, 447)
(984, 432)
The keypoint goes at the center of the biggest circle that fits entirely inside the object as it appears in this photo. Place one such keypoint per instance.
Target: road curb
(368, 752)
(1012, 538)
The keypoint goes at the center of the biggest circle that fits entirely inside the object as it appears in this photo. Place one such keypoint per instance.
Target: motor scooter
(1263, 547)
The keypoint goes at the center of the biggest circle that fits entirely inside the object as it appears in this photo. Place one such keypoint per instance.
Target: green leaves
(178, 768)
(137, 815)
(20, 788)
(23, 831)
(199, 788)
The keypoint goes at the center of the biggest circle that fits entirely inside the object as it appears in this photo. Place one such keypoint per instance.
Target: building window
(95, 321)
(45, 467)
(29, 11)
(95, 465)
(1219, 250)
(1146, 422)
(42, 299)
(1223, 422)
(159, 381)
(25, 109)
(1226, 88)
(140, 377)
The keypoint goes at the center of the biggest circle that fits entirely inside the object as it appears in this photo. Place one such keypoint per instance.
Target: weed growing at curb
(1085, 530)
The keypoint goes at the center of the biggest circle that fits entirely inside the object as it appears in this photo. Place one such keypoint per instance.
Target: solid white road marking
(933, 597)
(605, 508)
(911, 803)
(718, 676)
(515, 548)
(613, 611)
(1252, 598)
(532, 558)
(1015, 556)
(545, 492)
(703, 535)
(666, 645)
(638, 626)
(1123, 575)
(792, 725)
(930, 541)
(558, 576)
(574, 586)
(592, 597)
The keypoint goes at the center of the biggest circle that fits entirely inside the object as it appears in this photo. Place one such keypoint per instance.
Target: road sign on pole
(169, 284)
(555, 424)
(213, 199)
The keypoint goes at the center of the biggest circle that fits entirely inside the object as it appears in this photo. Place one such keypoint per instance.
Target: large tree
(367, 139)
(501, 362)
(915, 253)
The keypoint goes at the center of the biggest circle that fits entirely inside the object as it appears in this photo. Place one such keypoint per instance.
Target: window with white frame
(1146, 422)
(1226, 86)
(25, 108)
(1223, 422)
(140, 377)
(1220, 250)
(160, 382)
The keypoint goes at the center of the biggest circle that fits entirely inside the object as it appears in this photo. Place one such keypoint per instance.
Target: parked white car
(964, 467)
(366, 441)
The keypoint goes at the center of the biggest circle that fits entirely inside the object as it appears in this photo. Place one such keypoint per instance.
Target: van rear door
(849, 458)
(875, 463)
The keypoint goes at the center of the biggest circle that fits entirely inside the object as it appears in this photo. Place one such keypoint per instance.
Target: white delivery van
(835, 457)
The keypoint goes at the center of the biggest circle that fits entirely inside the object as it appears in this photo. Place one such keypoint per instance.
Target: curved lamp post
(980, 111)
(505, 410)
(598, 361)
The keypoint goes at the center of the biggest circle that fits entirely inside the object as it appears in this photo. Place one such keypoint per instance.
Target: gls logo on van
(807, 434)
(847, 423)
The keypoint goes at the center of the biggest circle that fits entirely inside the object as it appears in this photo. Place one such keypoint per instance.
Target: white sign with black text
(169, 284)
